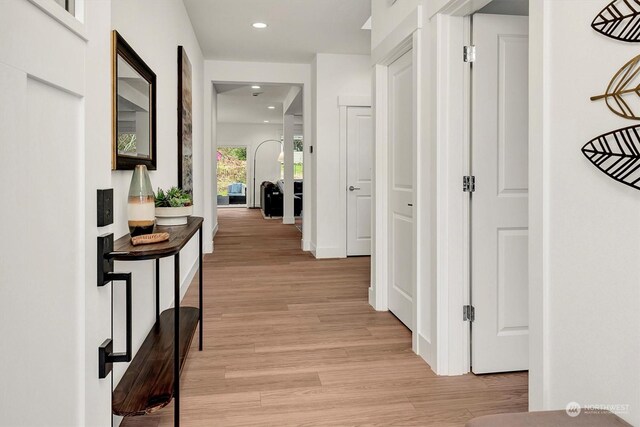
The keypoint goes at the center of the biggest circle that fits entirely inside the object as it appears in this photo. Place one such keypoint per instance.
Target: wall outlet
(105, 207)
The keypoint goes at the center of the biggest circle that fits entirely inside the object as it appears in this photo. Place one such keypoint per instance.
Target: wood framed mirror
(134, 108)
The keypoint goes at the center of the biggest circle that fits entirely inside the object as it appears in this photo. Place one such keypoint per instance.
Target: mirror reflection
(133, 104)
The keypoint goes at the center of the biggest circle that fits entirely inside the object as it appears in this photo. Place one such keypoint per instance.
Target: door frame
(452, 102)
(451, 84)
(406, 37)
(344, 103)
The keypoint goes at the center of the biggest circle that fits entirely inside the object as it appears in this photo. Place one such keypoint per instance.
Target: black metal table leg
(176, 342)
(200, 286)
(158, 292)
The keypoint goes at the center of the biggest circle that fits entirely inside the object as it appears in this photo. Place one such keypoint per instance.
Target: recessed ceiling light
(259, 25)
(266, 121)
(255, 87)
(271, 107)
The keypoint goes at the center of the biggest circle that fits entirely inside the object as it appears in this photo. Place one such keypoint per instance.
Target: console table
(152, 379)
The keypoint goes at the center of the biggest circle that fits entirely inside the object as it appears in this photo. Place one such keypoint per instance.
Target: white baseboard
(306, 246)
(209, 246)
(328, 253)
(288, 220)
(312, 249)
(372, 297)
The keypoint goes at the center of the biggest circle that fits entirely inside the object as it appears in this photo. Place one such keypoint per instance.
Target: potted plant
(173, 207)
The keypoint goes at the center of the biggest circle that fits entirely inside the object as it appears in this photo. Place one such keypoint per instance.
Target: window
(298, 155)
(68, 5)
(232, 176)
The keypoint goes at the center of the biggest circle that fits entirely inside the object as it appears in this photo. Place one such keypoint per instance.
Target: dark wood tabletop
(179, 236)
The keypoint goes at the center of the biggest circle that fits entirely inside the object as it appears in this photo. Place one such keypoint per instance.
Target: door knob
(352, 188)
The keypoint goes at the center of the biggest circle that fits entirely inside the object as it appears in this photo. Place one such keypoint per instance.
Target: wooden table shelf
(179, 236)
(152, 380)
(148, 384)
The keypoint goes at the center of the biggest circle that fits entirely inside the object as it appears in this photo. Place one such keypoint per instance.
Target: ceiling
(507, 7)
(236, 103)
(297, 29)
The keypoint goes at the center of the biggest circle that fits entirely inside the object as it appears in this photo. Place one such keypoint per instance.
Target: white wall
(210, 170)
(335, 76)
(154, 30)
(311, 220)
(385, 18)
(98, 174)
(584, 283)
(250, 136)
(42, 249)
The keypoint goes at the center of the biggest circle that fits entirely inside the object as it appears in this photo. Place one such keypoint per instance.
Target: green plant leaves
(173, 198)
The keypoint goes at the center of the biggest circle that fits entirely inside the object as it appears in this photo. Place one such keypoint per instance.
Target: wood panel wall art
(185, 123)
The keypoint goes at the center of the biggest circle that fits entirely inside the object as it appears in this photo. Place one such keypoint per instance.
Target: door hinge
(469, 184)
(469, 53)
(468, 313)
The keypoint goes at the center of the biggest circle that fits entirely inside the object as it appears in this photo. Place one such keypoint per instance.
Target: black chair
(271, 201)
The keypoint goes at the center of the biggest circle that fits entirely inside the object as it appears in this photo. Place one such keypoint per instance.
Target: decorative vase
(173, 216)
(141, 205)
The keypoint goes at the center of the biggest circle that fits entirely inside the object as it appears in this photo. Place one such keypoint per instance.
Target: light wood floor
(290, 340)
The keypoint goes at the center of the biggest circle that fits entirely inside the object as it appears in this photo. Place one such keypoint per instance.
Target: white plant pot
(173, 216)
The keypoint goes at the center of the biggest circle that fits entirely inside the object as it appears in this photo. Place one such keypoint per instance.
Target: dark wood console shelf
(152, 380)
(179, 236)
(148, 383)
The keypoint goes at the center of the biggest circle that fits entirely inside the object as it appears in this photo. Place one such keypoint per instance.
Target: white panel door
(359, 175)
(499, 257)
(401, 229)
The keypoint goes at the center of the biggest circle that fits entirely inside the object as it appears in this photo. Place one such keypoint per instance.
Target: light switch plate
(105, 207)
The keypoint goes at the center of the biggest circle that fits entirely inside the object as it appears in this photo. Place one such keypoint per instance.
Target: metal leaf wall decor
(623, 93)
(617, 154)
(620, 20)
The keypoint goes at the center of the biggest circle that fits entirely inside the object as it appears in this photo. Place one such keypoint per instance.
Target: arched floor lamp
(255, 157)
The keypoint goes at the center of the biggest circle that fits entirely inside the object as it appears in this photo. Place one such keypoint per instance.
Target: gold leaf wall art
(623, 93)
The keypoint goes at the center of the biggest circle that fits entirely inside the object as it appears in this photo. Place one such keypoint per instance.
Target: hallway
(290, 340)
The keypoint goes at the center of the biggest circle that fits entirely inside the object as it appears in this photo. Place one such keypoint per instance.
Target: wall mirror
(134, 108)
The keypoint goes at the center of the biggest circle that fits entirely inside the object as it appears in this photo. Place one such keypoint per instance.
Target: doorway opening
(260, 149)
(232, 176)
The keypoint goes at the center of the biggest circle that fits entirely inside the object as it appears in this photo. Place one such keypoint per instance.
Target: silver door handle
(352, 188)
